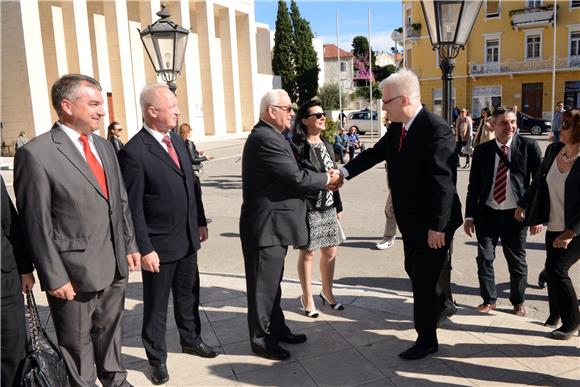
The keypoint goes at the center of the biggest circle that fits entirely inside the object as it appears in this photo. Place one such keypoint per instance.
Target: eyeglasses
(566, 125)
(318, 115)
(287, 109)
(391, 100)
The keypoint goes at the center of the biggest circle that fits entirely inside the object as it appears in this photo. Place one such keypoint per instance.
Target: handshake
(335, 181)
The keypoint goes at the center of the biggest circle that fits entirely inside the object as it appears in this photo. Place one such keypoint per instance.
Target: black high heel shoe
(308, 313)
(337, 306)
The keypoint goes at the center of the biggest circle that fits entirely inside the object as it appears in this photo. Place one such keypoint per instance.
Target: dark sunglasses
(317, 115)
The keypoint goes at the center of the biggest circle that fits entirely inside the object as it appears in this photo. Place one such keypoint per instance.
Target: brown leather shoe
(486, 308)
(520, 310)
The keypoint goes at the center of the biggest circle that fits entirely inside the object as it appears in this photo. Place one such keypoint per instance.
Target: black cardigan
(308, 159)
(571, 191)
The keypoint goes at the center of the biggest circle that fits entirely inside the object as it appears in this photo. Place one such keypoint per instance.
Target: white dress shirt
(75, 137)
(157, 136)
(510, 199)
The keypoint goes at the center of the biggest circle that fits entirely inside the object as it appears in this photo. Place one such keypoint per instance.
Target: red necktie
(167, 141)
(95, 166)
(403, 134)
(499, 190)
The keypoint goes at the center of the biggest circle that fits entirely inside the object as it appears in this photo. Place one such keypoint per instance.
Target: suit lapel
(157, 150)
(68, 149)
(515, 154)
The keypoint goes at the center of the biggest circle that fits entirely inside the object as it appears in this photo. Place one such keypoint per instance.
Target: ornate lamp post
(449, 23)
(165, 43)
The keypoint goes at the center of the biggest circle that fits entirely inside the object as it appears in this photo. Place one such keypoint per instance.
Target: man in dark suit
(73, 205)
(500, 174)
(418, 148)
(17, 278)
(273, 217)
(170, 224)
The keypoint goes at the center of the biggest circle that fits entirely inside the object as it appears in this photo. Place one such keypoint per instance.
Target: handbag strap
(34, 326)
(503, 158)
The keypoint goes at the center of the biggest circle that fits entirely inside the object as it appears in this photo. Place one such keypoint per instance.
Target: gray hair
(405, 82)
(148, 95)
(68, 86)
(272, 97)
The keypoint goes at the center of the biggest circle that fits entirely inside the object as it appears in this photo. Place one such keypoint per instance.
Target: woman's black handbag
(538, 212)
(44, 365)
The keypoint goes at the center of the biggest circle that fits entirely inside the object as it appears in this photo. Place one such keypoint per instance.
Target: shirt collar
(73, 134)
(408, 124)
(156, 135)
(508, 144)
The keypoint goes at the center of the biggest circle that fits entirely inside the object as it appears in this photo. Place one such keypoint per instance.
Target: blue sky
(386, 15)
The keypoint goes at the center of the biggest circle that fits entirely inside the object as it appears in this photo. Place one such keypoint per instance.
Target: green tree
(360, 49)
(382, 72)
(330, 131)
(283, 52)
(328, 95)
(305, 58)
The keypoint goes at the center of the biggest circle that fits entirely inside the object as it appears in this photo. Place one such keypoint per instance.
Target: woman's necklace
(569, 159)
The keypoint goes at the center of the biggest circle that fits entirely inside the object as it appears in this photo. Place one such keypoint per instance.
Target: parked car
(533, 125)
(361, 120)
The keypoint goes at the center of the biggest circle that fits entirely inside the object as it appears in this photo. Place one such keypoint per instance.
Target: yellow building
(510, 58)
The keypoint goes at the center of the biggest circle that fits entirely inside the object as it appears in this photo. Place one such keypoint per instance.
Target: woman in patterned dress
(324, 207)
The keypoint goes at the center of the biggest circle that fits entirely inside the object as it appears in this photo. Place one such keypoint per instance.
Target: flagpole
(371, 76)
(339, 75)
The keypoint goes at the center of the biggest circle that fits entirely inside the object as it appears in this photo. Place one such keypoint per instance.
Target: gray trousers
(88, 330)
(391, 222)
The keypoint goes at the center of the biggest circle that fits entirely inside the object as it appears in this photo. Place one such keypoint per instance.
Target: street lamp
(165, 43)
(449, 23)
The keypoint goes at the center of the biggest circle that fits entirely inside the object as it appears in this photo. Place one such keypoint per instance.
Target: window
(492, 8)
(342, 67)
(533, 3)
(492, 51)
(575, 4)
(575, 44)
(533, 45)
(485, 96)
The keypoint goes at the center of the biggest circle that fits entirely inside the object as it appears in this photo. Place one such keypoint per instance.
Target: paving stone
(438, 374)
(286, 374)
(322, 339)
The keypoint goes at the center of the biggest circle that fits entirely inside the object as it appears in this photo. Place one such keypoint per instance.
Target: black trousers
(561, 295)
(264, 270)
(13, 333)
(88, 330)
(444, 294)
(182, 278)
(490, 226)
(423, 265)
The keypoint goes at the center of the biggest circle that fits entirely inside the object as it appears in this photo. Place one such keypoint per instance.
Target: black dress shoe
(159, 374)
(201, 349)
(417, 352)
(293, 339)
(274, 352)
(542, 279)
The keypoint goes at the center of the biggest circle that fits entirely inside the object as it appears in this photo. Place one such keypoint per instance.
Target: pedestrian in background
(558, 183)
(485, 131)
(114, 135)
(324, 208)
(196, 157)
(463, 137)
(557, 121)
(21, 140)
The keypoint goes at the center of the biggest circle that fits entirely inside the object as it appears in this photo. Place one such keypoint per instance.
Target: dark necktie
(403, 135)
(95, 166)
(167, 141)
(499, 190)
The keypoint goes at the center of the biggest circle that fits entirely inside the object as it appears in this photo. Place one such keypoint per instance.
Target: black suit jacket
(525, 159)
(165, 200)
(571, 189)
(421, 175)
(273, 186)
(14, 253)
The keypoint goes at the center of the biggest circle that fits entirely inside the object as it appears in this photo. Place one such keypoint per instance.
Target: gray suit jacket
(75, 233)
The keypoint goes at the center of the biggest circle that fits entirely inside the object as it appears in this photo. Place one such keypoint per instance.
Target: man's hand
(66, 292)
(336, 179)
(203, 233)
(535, 229)
(435, 239)
(26, 282)
(469, 227)
(520, 214)
(562, 240)
(150, 262)
(134, 261)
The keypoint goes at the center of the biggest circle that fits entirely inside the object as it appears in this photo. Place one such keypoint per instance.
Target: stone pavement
(357, 346)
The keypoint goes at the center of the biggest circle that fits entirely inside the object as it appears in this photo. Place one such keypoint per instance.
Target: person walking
(73, 205)
(323, 208)
(170, 226)
(419, 151)
(501, 172)
(558, 183)
(273, 216)
(114, 135)
(463, 137)
(557, 121)
(485, 131)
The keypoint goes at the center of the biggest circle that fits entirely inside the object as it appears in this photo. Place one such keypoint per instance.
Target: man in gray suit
(73, 203)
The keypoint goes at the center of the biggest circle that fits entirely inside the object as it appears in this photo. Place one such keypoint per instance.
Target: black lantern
(165, 43)
(449, 23)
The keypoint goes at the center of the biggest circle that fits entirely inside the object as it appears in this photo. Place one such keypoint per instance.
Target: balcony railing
(529, 65)
(413, 31)
(532, 17)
